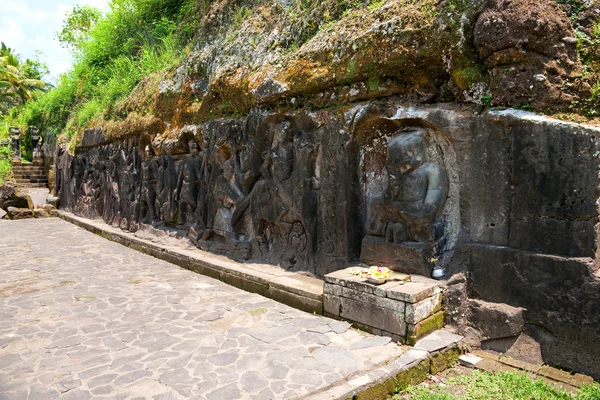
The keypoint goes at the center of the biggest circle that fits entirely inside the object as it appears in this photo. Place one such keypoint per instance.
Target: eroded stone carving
(414, 197)
(148, 189)
(188, 185)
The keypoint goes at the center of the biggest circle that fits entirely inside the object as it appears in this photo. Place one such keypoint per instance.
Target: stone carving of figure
(166, 201)
(148, 189)
(415, 196)
(228, 194)
(188, 185)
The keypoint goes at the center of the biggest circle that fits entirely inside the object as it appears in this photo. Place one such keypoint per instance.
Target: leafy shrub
(5, 164)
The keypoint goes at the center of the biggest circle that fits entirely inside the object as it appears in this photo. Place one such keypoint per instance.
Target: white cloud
(30, 25)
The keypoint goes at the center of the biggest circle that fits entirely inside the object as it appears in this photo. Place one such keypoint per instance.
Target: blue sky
(30, 25)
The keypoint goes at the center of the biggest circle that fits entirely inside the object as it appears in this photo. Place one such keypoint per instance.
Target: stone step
(41, 180)
(29, 175)
(27, 168)
(496, 320)
(492, 363)
(28, 171)
(33, 185)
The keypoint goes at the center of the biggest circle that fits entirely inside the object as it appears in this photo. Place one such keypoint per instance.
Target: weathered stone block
(409, 257)
(338, 277)
(19, 213)
(330, 288)
(413, 292)
(496, 320)
(444, 360)
(547, 235)
(332, 305)
(419, 311)
(294, 300)
(360, 311)
(414, 332)
(378, 301)
(40, 213)
(554, 172)
(393, 321)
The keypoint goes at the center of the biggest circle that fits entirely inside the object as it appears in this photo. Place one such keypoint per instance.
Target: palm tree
(16, 85)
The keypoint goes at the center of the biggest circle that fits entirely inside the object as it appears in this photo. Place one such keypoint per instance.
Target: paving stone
(132, 377)
(78, 394)
(39, 392)
(370, 342)
(305, 377)
(102, 380)
(313, 338)
(108, 389)
(274, 334)
(411, 357)
(226, 358)
(274, 370)
(437, 341)
(335, 355)
(320, 329)
(9, 360)
(340, 326)
(252, 382)
(229, 392)
(168, 337)
(266, 394)
(174, 376)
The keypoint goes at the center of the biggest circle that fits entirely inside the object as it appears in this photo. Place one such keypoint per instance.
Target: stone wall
(505, 196)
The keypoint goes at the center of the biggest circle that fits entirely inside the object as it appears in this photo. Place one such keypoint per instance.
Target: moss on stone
(444, 360)
(404, 379)
(425, 327)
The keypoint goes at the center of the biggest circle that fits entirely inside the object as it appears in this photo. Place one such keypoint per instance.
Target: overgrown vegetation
(113, 53)
(123, 57)
(5, 164)
(481, 385)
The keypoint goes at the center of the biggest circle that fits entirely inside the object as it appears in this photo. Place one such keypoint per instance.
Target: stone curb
(301, 292)
(486, 361)
(412, 368)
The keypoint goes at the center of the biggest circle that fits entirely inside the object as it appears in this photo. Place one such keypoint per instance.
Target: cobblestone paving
(82, 317)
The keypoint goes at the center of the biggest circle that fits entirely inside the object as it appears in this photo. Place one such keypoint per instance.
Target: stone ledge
(412, 368)
(490, 362)
(301, 292)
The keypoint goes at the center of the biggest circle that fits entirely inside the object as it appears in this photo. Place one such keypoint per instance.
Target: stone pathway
(82, 317)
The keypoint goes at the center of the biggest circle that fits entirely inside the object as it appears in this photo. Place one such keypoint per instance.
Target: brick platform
(402, 311)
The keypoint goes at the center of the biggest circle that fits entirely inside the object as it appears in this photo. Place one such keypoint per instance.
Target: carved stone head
(406, 153)
(193, 146)
(149, 152)
(284, 133)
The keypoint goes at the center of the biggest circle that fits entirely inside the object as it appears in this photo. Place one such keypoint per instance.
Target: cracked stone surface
(82, 317)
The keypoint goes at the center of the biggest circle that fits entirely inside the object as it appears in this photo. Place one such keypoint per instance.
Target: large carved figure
(166, 201)
(228, 194)
(148, 188)
(415, 196)
(405, 228)
(188, 185)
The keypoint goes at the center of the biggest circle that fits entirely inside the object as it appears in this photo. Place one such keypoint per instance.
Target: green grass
(503, 385)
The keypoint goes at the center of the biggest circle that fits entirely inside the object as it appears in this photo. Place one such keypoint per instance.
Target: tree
(19, 82)
(77, 25)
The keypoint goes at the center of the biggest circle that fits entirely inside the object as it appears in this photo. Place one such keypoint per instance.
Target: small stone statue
(148, 189)
(415, 196)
